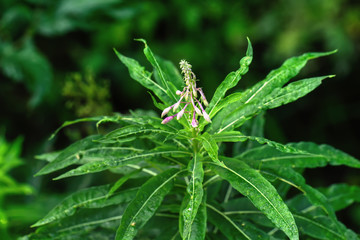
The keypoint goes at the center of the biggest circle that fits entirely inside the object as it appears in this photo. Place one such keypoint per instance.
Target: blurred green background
(57, 64)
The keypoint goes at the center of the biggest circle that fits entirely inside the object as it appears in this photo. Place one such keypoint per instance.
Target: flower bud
(206, 116)
(166, 110)
(168, 119)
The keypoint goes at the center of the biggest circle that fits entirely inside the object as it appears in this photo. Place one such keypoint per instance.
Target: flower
(189, 94)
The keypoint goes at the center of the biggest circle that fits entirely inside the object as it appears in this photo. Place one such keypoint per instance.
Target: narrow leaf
(226, 225)
(269, 156)
(68, 123)
(94, 197)
(236, 136)
(278, 77)
(231, 80)
(295, 179)
(210, 146)
(196, 192)
(139, 74)
(121, 181)
(292, 92)
(69, 156)
(111, 162)
(334, 156)
(261, 193)
(251, 101)
(146, 202)
(342, 195)
(154, 62)
(321, 227)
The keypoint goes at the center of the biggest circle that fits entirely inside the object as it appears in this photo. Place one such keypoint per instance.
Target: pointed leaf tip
(141, 40)
(249, 51)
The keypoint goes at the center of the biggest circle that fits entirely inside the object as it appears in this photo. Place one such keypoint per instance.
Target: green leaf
(129, 131)
(154, 62)
(236, 136)
(269, 156)
(333, 156)
(251, 101)
(115, 162)
(231, 81)
(226, 225)
(171, 73)
(321, 227)
(146, 202)
(295, 179)
(210, 146)
(262, 194)
(196, 192)
(292, 92)
(94, 197)
(198, 228)
(121, 181)
(139, 74)
(84, 223)
(69, 156)
(341, 196)
(68, 123)
(278, 77)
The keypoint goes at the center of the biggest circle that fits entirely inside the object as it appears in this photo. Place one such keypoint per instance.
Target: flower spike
(189, 94)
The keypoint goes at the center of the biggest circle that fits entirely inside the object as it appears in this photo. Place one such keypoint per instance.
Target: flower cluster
(188, 99)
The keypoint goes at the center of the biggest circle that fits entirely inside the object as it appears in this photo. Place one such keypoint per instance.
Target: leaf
(68, 123)
(154, 62)
(290, 176)
(262, 194)
(198, 228)
(94, 197)
(210, 146)
(236, 136)
(69, 156)
(115, 162)
(321, 227)
(226, 225)
(196, 192)
(139, 74)
(251, 101)
(126, 132)
(269, 156)
(230, 81)
(333, 156)
(342, 195)
(146, 202)
(121, 181)
(171, 73)
(84, 222)
(292, 92)
(278, 77)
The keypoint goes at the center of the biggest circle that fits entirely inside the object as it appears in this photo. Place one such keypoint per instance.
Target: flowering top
(188, 99)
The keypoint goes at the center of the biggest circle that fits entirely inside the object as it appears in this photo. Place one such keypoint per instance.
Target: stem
(195, 142)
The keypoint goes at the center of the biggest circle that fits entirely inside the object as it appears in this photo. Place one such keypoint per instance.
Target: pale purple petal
(206, 116)
(179, 115)
(168, 119)
(166, 110)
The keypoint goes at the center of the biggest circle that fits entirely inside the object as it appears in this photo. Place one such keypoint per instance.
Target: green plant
(209, 173)
(9, 159)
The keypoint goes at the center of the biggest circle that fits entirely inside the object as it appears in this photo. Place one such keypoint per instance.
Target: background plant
(178, 179)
